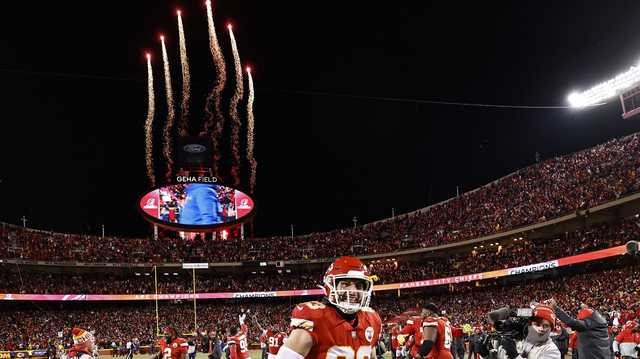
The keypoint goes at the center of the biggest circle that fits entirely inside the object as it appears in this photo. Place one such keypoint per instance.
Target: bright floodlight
(229, 26)
(148, 56)
(161, 37)
(179, 12)
(248, 69)
(606, 90)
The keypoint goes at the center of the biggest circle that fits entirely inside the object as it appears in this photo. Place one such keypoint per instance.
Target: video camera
(511, 323)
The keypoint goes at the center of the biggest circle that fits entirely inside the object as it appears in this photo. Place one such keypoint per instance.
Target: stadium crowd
(537, 193)
(31, 325)
(490, 257)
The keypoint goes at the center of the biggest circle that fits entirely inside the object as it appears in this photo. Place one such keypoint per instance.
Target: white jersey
(547, 350)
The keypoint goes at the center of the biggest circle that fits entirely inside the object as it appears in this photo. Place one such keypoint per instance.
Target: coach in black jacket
(593, 333)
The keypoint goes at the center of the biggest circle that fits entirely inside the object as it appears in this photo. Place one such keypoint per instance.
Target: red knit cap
(545, 312)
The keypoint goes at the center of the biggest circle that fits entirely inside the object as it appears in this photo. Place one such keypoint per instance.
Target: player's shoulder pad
(430, 322)
(372, 315)
(182, 342)
(304, 315)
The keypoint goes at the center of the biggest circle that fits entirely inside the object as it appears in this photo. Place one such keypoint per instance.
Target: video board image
(196, 204)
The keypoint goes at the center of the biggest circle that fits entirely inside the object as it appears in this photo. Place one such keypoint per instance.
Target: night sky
(73, 95)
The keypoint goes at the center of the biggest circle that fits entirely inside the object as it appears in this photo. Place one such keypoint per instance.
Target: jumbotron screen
(196, 206)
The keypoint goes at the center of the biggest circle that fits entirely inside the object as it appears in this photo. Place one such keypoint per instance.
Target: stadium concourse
(572, 204)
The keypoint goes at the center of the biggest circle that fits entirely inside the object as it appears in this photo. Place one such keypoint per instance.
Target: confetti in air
(148, 125)
(233, 111)
(168, 150)
(250, 130)
(214, 121)
(186, 80)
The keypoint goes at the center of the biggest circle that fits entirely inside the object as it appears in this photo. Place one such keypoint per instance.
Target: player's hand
(509, 346)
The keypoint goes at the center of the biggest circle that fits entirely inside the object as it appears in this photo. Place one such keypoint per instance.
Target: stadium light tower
(625, 85)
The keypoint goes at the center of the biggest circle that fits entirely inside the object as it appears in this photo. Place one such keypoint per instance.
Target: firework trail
(170, 112)
(186, 80)
(214, 122)
(250, 130)
(233, 111)
(148, 125)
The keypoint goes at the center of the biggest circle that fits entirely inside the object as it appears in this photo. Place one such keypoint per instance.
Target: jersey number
(273, 342)
(243, 344)
(447, 335)
(167, 353)
(346, 352)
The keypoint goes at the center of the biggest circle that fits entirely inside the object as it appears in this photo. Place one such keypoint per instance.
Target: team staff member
(592, 329)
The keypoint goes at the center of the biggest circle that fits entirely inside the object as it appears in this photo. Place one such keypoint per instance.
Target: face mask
(536, 334)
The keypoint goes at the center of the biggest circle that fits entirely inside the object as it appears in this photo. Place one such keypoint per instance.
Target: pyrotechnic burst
(168, 150)
(214, 125)
(233, 111)
(250, 128)
(148, 125)
(214, 122)
(186, 81)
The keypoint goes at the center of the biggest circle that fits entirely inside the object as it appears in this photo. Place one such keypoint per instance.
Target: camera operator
(592, 329)
(534, 331)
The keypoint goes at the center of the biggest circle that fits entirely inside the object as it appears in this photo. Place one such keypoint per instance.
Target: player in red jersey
(171, 346)
(272, 339)
(395, 345)
(84, 346)
(413, 328)
(436, 335)
(275, 340)
(626, 344)
(237, 340)
(341, 325)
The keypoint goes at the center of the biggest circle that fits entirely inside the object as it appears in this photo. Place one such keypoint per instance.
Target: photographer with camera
(524, 333)
(592, 329)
